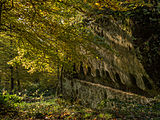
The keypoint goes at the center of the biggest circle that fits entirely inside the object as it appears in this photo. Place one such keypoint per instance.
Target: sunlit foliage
(51, 33)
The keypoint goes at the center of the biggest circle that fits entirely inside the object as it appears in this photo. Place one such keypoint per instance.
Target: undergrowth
(14, 107)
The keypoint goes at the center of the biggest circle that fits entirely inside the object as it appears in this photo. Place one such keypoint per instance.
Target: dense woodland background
(41, 40)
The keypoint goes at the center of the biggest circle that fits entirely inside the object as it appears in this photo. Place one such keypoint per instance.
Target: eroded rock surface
(123, 63)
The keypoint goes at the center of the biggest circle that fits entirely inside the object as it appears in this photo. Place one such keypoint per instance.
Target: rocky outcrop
(127, 53)
(126, 62)
(123, 62)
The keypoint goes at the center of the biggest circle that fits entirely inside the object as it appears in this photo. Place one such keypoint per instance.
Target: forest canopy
(47, 33)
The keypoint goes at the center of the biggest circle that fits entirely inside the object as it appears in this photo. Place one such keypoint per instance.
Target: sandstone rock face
(119, 67)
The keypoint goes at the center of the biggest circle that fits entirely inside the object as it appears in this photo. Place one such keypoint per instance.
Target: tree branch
(77, 8)
(8, 9)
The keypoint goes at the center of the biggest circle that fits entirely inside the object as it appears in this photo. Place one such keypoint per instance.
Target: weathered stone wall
(92, 94)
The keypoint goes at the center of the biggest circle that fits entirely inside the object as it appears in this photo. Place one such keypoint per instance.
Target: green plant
(8, 106)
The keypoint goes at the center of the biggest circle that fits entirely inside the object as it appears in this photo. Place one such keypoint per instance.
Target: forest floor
(51, 108)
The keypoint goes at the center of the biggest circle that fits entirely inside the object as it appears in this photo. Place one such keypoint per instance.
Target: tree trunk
(19, 85)
(12, 78)
(0, 12)
(11, 67)
(61, 80)
(18, 81)
(0, 81)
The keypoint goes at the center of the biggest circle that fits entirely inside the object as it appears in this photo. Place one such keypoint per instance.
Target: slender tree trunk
(11, 67)
(58, 87)
(12, 78)
(0, 12)
(18, 81)
(0, 80)
(19, 85)
(61, 80)
(58, 73)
